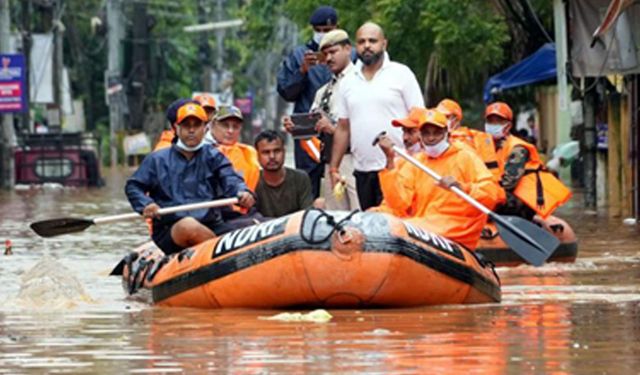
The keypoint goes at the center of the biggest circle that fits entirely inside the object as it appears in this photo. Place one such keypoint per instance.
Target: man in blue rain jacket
(190, 171)
(300, 76)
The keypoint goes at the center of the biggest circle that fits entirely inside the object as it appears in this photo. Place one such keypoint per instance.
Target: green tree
(451, 45)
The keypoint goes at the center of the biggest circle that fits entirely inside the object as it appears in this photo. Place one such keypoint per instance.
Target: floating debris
(316, 316)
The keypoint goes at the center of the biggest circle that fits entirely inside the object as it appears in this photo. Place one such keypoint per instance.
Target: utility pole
(26, 51)
(204, 51)
(219, 41)
(563, 115)
(589, 103)
(114, 75)
(7, 135)
(56, 13)
(140, 62)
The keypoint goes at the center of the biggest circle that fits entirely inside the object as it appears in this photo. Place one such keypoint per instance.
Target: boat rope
(331, 221)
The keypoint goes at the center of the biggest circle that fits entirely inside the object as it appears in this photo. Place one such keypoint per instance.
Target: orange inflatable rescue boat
(314, 258)
(493, 248)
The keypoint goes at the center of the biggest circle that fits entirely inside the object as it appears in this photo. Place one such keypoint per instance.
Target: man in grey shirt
(280, 190)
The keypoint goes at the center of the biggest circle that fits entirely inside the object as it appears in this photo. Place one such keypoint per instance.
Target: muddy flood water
(61, 313)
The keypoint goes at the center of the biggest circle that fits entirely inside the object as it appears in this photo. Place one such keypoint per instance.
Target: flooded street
(66, 316)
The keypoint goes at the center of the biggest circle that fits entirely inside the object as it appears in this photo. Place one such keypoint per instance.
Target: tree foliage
(451, 45)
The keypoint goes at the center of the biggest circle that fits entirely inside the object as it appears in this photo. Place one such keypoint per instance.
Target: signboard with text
(12, 83)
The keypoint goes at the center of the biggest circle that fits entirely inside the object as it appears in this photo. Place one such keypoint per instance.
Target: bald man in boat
(186, 172)
(432, 204)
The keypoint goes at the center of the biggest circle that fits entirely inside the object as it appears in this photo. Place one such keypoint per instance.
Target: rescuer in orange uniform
(480, 142)
(412, 140)
(208, 102)
(530, 188)
(433, 206)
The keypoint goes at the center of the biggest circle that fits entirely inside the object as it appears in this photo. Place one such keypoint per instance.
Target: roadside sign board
(12, 83)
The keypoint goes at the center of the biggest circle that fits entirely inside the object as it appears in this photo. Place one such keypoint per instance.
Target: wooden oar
(528, 240)
(55, 227)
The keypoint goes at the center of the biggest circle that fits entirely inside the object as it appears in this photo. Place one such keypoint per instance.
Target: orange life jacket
(244, 160)
(482, 144)
(165, 140)
(312, 147)
(538, 188)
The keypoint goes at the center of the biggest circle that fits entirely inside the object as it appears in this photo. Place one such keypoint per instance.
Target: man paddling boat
(186, 172)
(434, 207)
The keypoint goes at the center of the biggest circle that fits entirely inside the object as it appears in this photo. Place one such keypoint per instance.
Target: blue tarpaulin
(535, 68)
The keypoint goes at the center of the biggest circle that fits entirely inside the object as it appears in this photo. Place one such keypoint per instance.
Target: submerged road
(60, 313)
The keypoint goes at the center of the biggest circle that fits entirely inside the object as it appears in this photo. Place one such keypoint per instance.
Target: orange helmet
(450, 107)
(499, 109)
(206, 100)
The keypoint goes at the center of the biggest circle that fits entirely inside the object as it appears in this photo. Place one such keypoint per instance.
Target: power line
(538, 22)
(575, 84)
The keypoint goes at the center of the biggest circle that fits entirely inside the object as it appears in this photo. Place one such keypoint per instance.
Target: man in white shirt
(378, 91)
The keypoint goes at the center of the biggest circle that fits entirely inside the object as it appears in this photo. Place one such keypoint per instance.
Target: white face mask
(496, 130)
(208, 138)
(195, 148)
(437, 149)
(317, 37)
(414, 148)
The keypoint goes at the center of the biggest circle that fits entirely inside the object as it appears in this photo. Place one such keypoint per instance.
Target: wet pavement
(60, 313)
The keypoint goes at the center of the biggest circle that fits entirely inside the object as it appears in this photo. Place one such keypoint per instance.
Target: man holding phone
(299, 78)
(337, 50)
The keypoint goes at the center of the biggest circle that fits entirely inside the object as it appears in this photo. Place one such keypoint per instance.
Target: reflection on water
(580, 318)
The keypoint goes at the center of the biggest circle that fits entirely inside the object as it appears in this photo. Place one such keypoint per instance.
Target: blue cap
(172, 109)
(324, 15)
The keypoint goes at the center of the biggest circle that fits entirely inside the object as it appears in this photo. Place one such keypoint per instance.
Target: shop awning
(537, 67)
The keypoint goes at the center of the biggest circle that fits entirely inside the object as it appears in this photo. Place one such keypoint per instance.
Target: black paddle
(55, 227)
(528, 240)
